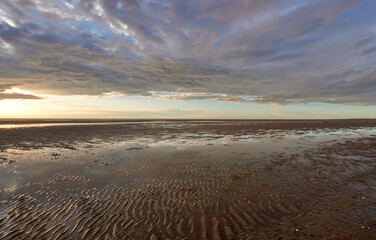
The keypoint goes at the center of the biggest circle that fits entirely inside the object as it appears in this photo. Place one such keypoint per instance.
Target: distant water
(32, 123)
(25, 124)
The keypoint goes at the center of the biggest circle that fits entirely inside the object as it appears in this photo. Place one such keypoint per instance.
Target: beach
(184, 179)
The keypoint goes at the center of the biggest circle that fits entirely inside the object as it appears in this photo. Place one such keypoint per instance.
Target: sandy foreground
(188, 180)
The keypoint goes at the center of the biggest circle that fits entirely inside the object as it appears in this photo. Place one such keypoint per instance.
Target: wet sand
(190, 180)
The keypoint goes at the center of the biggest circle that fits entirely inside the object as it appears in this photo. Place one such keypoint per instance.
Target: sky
(188, 59)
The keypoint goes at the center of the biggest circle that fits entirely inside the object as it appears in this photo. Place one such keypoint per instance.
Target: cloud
(272, 52)
(14, 95)
(4, 87)
(4, 96)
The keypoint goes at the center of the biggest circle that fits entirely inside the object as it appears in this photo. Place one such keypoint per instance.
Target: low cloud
(4, 87)
(14, 95)
(4, 96)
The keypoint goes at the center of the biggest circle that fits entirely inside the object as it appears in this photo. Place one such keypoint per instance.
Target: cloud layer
(271, 51)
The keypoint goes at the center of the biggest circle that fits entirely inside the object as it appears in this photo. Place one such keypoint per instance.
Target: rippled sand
(189, 180)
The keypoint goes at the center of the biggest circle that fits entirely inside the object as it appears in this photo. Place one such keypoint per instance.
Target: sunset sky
(188, 59)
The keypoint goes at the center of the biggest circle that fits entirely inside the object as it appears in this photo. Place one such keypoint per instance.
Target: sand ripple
(326, 193)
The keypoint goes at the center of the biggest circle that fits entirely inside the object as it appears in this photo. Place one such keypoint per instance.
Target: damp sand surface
(189, 180)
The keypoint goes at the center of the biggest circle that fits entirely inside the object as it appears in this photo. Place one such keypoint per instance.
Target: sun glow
(16, 90)
(9, 107)
(13, 107)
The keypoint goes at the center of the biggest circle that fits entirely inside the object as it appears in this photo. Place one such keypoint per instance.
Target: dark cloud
(4, 96)
(272, 51)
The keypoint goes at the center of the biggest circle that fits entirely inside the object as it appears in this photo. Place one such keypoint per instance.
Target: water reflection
(189, 184)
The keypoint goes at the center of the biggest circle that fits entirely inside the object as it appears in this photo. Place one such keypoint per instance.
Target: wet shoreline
(188, 180)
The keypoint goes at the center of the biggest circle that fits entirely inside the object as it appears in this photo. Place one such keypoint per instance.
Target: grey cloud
(4, 96)
(369, 50)
(274, 52)
(4, 87)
